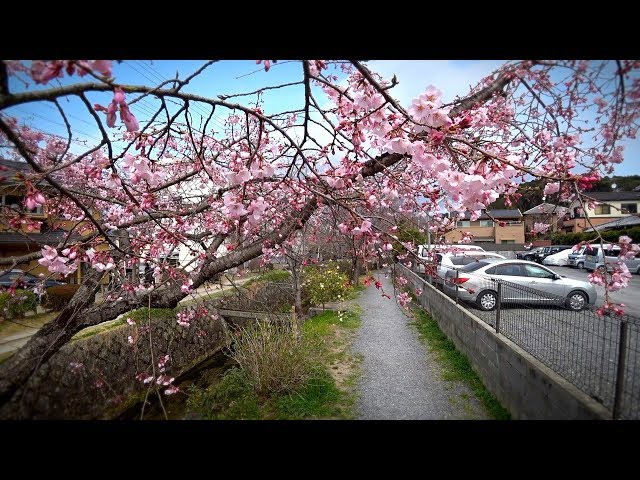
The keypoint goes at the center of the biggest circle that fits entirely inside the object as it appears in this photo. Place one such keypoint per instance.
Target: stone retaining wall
(95, 377)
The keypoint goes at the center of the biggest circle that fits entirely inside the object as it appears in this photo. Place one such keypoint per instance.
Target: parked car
(559, 259)
(528, 254)
(24, 279)
(478, 283)
(576, 259)
(453, 261)
(598, 258)
(549, 250)
(634, 264)
(423, 252)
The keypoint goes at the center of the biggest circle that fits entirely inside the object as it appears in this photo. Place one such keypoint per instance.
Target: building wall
(576, 225)
(530, 220)
(499, 234)
(579, 223)
(615, 210)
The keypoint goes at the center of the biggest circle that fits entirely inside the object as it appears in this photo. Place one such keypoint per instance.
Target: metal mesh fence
(583, 347)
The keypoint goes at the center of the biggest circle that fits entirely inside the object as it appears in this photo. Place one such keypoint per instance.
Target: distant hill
(623, 183)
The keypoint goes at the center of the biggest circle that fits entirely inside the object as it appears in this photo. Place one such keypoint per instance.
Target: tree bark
(16, 370)
(77, 315)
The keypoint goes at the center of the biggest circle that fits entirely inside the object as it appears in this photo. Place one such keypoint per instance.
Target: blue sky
(225, 77)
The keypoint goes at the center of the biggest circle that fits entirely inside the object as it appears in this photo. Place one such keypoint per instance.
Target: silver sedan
(522, 282)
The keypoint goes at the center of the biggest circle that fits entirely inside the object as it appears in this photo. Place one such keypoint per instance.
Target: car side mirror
(556, 276)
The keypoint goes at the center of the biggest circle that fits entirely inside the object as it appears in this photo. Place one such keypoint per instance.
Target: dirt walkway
(401, 379)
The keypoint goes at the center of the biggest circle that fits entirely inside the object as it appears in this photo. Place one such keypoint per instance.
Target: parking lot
(581, 346)
(630, 296)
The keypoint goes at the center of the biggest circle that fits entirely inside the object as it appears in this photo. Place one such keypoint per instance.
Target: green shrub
(271, 276)
(343, 266)
(16, 305)
(275, 357)
(609, 235)
(56, 298)
(325, 283)
(230, 399)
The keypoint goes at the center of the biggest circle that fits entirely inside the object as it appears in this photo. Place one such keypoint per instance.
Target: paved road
(12, 343)
(629, 296)
(401, 380)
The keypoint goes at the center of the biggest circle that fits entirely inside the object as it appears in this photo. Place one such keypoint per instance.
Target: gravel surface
(401, 380)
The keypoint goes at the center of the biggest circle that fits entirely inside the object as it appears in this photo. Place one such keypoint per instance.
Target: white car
(560, 259)
(425, 252)
(453, 261)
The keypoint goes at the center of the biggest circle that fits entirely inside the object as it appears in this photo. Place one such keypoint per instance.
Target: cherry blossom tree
(348, 150)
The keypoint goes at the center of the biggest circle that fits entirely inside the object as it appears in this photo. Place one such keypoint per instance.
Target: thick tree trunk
(16, 370)
(356, 268)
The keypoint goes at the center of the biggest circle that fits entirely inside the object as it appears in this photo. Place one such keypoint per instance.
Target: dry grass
(275, 357)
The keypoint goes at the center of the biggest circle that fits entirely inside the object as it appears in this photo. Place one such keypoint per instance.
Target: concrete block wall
(525, 386)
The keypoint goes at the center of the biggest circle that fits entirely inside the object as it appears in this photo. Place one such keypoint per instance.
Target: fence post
(622, 350)
(457, 275)
(499, 307)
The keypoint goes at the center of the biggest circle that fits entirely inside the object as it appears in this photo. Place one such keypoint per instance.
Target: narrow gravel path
(401, 379)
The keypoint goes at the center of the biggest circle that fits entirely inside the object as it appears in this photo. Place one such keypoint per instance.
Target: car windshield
(472, 267)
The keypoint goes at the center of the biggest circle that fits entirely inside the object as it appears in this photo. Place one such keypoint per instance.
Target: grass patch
(318, 398)
(353, 291)
(456, 366)
(230, 399)
(276, 276)
(140, 316)
(322, 394)
(325, 323)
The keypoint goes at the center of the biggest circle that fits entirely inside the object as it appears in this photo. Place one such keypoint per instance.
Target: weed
(455, 364)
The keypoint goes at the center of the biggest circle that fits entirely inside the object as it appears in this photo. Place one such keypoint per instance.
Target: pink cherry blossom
(130, 121)
(551, 187)
(540, 228)
(233, 208)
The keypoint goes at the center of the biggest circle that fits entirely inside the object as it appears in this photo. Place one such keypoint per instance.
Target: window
(17, 203)
(463, 223)
(629, 208)
(473, 266)
(508, 241)
(537, 272)
(486, 223)
(603, 209)
(612, 253)
(509, 269)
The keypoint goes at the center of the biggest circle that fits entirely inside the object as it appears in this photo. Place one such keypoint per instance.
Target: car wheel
(602, 269)
(487, 300)
(576, 301)
(638, 272)
(580, 265)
